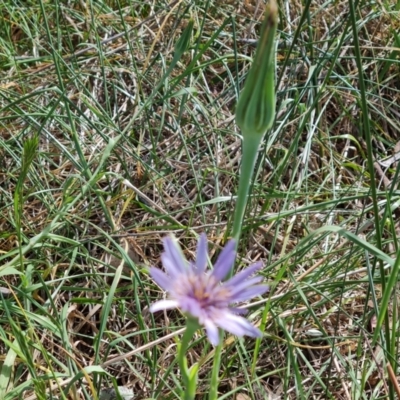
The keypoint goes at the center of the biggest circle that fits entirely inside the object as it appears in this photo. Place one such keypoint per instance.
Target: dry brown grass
(83, 82)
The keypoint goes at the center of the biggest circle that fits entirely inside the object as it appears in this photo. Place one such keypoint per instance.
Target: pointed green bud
(256, 107)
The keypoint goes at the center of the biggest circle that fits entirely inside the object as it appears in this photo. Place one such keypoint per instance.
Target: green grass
(91, 95)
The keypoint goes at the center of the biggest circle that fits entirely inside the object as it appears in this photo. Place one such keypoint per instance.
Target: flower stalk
(215, 371)
(255, 111)
(189, 375)
(249, 158)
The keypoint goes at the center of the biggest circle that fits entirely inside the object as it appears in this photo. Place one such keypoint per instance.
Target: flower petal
(239, 326)
(250, 292)
(212, 332)
(225, 261)
(245, 273)
(202, 254)
(234, 289)
(162, 279)
(163, 305)
(192, 306)
(170, 266)
(173, 252)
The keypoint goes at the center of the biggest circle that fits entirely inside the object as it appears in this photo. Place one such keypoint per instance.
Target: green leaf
(9, 271)
(6, 371)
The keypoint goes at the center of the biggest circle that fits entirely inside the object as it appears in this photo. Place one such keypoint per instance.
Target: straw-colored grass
(103, 151)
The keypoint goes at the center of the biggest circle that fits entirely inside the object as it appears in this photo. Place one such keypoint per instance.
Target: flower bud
(256, 107)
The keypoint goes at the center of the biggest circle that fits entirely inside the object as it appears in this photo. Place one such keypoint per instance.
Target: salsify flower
(201, 294)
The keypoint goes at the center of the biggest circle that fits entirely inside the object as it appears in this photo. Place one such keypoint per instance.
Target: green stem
(215, 372)
(250, 147)
(190, 389)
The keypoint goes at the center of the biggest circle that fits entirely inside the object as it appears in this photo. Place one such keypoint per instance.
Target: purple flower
(201, 294)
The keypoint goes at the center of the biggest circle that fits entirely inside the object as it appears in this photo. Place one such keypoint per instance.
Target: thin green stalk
(371, 169)
(367, 134)
(189, 378)
(255, 112)
(215, 372)
(249, 158)
(28, 155)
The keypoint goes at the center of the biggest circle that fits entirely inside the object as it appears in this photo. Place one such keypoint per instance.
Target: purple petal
(162, 279)
(245, 273)
(170, 266)
(238, 326)
(250, 292)
(212, 332)
(173, 253)
(225, 261)
(242, 285)
(202, 253)
(191, 306)
(163, 305)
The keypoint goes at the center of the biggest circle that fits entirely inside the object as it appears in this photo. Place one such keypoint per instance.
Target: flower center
(206, 290)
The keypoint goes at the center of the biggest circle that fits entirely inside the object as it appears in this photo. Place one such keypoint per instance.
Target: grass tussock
(108, 142)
